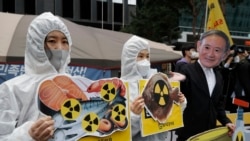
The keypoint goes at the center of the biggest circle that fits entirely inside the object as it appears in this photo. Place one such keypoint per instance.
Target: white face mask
(57, 57)
(237, 59)
(143, 67)
(194, 54)
(226, 65)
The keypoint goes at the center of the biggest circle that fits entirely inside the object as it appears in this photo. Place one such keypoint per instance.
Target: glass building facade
(107, 14)
(113, 15)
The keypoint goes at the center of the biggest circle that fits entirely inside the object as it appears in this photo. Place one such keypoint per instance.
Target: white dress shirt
(209, 73)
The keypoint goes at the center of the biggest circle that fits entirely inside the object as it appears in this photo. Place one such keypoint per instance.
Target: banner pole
(205, 25)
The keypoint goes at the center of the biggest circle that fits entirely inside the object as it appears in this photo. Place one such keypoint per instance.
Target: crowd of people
(47, 54)
(235, 70)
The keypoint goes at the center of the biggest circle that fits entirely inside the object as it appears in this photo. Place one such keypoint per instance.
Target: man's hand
(231, 128)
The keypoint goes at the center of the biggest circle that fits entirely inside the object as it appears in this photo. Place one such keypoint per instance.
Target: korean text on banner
(216, 19)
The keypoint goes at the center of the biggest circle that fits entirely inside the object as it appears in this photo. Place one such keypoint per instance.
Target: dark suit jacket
(243, 76)
(202, 110)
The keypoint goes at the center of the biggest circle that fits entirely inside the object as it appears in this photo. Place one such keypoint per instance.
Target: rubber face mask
(57, 57)
(143, 67)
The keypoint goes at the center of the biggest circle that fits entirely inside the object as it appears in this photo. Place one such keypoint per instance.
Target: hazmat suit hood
(129, 55)
(36, 60)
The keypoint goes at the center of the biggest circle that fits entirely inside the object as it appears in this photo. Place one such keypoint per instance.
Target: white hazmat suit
(18, 96)
(129, 73)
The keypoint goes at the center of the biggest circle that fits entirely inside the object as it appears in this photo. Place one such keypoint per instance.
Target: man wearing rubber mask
(47, 54)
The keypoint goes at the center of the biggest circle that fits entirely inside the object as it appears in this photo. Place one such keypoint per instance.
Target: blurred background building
(107, 14)
(115, 14)
(237, 18)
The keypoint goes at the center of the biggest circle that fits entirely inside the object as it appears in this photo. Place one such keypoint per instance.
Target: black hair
(186, 48)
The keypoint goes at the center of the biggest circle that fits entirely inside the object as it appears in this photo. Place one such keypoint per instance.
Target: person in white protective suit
(47, 54)
(135, 65)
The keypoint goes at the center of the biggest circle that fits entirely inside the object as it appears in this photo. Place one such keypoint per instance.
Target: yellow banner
(216, 19)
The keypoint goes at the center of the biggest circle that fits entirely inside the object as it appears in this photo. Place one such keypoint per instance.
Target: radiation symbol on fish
(239, 137)
(70, 109)
(108, 91)
(118, 113)
(90, 122)
(161, 92)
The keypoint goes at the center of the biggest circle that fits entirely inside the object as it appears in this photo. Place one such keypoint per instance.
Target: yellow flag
(216, 19)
